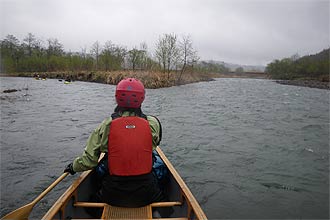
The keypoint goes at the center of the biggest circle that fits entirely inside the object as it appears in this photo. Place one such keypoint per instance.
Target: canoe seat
(113, 212)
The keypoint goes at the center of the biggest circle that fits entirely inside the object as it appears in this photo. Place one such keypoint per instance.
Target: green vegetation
(151, 80)
(312, 67)
(212, 67)
(239, 70)
(175, 61)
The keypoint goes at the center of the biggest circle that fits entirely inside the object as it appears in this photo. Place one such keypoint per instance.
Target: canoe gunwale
(66, 196)
(191, 201)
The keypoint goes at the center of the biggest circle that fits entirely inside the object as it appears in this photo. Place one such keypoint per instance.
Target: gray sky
(251, 32)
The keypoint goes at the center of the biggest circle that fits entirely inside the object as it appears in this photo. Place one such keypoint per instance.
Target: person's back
(129, 181)
(128, 138)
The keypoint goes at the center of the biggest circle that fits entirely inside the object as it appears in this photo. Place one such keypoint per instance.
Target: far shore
(151, 80)
(154, 80)
(306, 83)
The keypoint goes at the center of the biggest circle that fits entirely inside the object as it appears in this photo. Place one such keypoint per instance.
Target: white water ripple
(248, 149)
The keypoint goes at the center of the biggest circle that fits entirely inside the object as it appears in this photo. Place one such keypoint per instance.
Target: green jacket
(98, 143)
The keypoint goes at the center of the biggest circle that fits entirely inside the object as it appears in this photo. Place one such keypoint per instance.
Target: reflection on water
(246, 148)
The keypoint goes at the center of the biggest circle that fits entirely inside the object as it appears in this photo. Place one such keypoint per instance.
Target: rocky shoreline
(306, 83)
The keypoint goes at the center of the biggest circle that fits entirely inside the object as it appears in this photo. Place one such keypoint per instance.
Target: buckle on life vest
(130, 126)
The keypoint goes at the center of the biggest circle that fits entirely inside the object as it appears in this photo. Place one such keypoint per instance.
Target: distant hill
(310, 67)
(323, 55)
(233, 67)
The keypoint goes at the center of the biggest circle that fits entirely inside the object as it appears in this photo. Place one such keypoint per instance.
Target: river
(247, 148)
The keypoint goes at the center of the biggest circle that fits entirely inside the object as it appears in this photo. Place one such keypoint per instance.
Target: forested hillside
(314, 67)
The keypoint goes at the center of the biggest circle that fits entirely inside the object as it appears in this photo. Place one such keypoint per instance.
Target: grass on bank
(150, 79)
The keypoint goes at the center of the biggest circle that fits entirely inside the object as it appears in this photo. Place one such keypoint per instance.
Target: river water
(247, 148)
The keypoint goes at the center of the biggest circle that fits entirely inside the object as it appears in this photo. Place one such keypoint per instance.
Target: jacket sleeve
(155, 127)
(97, 143)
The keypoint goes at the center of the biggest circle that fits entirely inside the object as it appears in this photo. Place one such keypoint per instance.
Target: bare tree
(138, 58)
(54, 48)
(173, 51)
(83, 56)
(106, 55)
(119, 54)
(144, 55)
(29, 43)
(161, 53)
(112, 56)
(167, 52)
(96, 50)
(83, 53)
(10, 46)
(134, 57)
(187, 54)
(38, 48)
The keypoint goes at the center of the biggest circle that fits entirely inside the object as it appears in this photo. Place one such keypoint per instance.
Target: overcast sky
(251, 32)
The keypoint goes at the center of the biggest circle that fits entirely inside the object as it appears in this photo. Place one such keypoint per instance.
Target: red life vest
(129, 146)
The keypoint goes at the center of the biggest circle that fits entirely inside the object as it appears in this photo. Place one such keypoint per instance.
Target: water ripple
(246, 148)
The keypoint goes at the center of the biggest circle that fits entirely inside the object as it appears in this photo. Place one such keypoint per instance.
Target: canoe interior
(86, 185)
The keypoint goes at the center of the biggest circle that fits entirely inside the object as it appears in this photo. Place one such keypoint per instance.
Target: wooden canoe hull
(74, 200)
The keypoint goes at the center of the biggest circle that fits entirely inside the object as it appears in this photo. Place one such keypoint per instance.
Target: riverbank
(306, 83)
(151, 80)
(249, 75)
(154, 80)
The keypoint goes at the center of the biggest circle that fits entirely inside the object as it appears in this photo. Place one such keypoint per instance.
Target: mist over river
(247, 148)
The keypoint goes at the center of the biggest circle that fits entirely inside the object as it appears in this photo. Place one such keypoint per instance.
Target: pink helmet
(130, 93)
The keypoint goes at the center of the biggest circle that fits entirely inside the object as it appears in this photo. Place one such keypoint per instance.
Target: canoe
(73, 202)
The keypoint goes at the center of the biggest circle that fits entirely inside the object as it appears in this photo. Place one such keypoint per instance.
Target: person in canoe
(128, 138)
